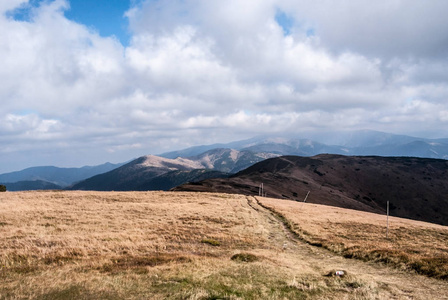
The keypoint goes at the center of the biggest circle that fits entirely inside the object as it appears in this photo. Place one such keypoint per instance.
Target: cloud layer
(200, 71)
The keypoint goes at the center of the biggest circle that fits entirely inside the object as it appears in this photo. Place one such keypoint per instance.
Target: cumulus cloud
(199, 71)
(384, 29)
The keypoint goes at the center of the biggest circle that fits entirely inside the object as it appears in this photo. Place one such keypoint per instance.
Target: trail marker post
(387, 229)
(306, 196)
(305, 199)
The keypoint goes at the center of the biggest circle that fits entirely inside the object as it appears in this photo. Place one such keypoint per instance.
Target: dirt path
(302, 258)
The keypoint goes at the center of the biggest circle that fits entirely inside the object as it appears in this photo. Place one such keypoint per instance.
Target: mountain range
(360, 142)
(169, 169)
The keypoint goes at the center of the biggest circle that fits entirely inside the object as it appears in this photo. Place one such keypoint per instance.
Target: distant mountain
(31, 185)
(415, 187)
(197, 150)
(362, 138)
(61, 177)
(417, 148)
(269, 145)
(303, 147)
(160, 173)
(360, 142)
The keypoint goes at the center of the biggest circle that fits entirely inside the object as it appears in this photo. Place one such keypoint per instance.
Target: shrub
(2, 188)
(211, 242)
(244, 257)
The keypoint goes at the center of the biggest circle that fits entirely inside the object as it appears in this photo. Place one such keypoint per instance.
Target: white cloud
(443, 115)
(6, 6)
(395, 28)
(200, 71)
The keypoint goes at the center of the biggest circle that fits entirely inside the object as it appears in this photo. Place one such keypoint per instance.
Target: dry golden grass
(411, 245)
(159, 245)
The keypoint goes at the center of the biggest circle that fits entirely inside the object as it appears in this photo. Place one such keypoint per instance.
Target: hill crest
(415, 187)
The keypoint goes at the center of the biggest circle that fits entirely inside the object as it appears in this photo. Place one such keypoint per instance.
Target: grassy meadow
(166, 245)
(410, 245)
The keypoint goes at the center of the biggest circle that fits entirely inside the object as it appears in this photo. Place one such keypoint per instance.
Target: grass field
(162, 245)
(409, 245)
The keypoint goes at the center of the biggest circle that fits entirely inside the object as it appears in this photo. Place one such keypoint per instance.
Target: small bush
(211, 242)
(2, 188)
(244, 257)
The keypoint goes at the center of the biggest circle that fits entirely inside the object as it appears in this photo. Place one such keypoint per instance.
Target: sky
(87, 82)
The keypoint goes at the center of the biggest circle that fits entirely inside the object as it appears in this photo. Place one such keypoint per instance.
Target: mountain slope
(172, 179)
(415, 187)
(148, 173)
(159, 173)
(229, 160)
(134, 174)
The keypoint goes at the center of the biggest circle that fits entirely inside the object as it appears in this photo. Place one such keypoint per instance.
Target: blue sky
(285, 21)
(86, 82)
(105, 16)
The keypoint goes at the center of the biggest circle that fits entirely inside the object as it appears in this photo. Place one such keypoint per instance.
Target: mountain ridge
(141, 173)
(415, 187)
